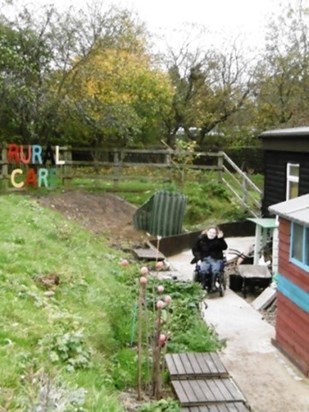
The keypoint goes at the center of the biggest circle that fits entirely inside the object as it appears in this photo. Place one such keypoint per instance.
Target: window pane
(297, 242)
(292, 180)
(294, 170)
(293, 190)
(307, 247)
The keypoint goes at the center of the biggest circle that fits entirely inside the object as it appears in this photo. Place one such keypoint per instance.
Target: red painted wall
(292, 332)
(285, 267)
(292, 323)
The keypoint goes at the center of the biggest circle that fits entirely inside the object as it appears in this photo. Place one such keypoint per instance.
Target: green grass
(208, 200)
(78, 346)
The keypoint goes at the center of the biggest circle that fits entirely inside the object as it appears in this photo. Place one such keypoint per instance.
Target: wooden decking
(148, 254)
(218, 407)
(202, 383)
(200, 392)
(191, 365)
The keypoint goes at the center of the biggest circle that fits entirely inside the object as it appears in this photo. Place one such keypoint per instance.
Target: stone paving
(269, 381)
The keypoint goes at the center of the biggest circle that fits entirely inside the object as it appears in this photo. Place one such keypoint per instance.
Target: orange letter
(31, 178)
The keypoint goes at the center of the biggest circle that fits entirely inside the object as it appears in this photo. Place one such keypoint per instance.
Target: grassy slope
(36, 242)
(208, 199)
(73, 347)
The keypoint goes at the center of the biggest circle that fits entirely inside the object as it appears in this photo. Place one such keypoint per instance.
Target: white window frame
(304, 262)
(290, 178)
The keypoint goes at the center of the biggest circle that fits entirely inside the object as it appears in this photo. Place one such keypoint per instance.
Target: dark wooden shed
(292, 321)
(286, 165)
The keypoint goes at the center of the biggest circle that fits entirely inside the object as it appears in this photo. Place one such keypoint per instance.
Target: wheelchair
(205, 280)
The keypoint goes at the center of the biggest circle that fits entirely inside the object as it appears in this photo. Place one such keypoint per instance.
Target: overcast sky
(225, 19)
(219, 14)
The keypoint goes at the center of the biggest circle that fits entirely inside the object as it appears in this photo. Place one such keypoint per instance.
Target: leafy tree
(118, 98)
(209, 88)
(282, 83)
(67, 77)
(35, 46)
(24, 95)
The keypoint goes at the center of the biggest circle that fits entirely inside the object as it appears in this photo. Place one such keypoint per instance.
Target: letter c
(14, 183)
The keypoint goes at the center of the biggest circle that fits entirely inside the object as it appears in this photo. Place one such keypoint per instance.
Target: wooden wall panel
(283, 301)
(284, 247)
(282, 343)
(292, 272)
(275, 176)
(304, 174)
(284, 228)
(292, 346)
(291, 321)
(292, 332)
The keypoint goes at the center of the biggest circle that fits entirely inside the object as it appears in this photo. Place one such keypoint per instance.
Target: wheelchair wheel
(197, 277)
(222, 284)
(224, 280)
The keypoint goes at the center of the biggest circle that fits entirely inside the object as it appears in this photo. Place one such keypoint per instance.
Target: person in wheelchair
(208, 251)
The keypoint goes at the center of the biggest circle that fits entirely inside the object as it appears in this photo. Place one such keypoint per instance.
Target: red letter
(23, 159)
(13, 153)
(31, 178)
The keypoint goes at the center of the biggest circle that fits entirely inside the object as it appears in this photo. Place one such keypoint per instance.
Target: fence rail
(112, 165)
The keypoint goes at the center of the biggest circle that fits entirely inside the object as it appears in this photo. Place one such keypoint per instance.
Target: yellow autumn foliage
(117, 76)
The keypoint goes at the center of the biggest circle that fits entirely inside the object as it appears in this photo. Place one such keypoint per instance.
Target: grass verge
(68, 318)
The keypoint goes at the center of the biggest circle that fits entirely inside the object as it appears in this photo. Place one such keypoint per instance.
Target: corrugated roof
(292, 131)
(296, 209)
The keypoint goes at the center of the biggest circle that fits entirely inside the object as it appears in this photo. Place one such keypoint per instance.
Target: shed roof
(296, 209)
(265, 223)
(292, 131)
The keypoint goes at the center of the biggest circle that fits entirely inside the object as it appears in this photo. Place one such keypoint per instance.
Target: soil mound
(101, 213)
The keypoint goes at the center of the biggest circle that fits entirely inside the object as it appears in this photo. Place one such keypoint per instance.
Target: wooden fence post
(220, 166)
(67, 168)
(168, 161)
(116, 166)
(4, 171)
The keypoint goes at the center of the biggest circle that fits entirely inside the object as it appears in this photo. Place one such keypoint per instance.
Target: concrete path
(265, 376)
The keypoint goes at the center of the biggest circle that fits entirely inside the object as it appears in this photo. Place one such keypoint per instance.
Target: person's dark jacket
(205, 247)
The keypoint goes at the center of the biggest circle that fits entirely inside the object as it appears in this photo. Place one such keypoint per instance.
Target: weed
(168, 405)
(69, 348)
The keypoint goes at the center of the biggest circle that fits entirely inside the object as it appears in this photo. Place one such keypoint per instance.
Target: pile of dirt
(101, 213)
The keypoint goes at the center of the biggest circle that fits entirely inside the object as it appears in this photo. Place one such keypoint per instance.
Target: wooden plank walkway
(218, 407)
(165, 274)
(148, 254)
(192, 365)
(199, 392)
(202, 383)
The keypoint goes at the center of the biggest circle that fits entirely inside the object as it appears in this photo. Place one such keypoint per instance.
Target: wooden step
(197, 365)
(209, 391)
(202, 383)
(218, 407)
(148, 254)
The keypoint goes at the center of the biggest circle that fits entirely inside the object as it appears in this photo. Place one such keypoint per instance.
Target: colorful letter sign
(35, 166)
